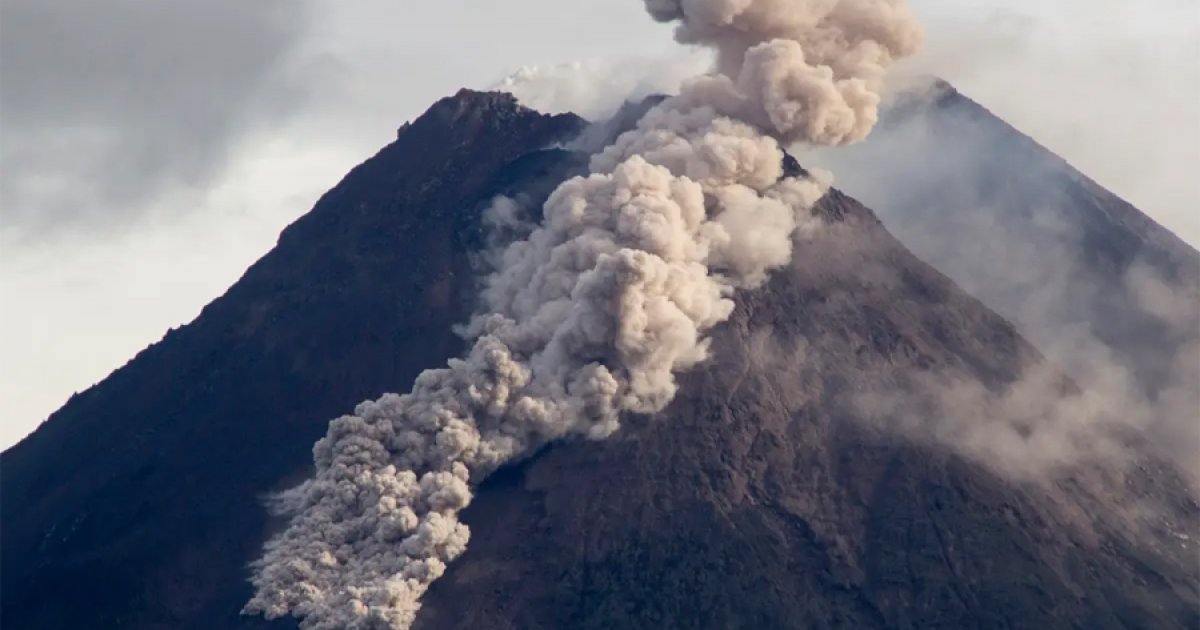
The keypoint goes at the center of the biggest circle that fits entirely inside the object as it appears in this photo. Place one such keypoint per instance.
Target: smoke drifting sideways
(1113, 302)
(596, 311)
(598, 88)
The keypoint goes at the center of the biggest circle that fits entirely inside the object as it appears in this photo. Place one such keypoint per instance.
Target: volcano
(760, 498)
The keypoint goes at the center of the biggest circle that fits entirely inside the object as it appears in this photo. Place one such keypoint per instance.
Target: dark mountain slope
(756, 500)
(139, 502)
(1085, 275)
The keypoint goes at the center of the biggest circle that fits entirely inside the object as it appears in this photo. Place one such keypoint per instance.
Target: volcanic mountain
(1094, 283)
(761, 498)
(1018, 227)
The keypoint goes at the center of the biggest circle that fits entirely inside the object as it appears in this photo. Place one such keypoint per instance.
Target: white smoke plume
(596, 311)
(596, 89)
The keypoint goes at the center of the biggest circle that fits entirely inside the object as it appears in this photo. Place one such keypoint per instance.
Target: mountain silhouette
(759, 499)
(1021, 229)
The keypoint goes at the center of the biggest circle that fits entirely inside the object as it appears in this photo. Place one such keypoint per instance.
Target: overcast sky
(150, 151)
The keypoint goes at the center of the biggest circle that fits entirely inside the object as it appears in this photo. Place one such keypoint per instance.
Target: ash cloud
(595, 312)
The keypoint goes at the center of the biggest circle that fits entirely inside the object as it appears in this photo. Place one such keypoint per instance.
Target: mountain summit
(155, 478)
(1094, 283)
(764, 496)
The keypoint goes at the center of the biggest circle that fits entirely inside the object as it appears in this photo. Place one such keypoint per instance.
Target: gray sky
(107, 106)
(150, 151)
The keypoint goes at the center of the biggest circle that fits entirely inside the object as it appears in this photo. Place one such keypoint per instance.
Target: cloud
(107, 106)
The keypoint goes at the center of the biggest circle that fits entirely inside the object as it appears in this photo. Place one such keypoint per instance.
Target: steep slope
(140, 501)
(756, 500)
(1087, 277)
(760, 500)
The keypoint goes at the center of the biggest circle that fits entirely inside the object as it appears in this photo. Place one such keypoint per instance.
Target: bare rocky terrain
(761, 498)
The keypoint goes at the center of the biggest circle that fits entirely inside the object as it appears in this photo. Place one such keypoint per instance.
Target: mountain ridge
(941, 95)
(175, 450)
(1104, 290)
(168, 421)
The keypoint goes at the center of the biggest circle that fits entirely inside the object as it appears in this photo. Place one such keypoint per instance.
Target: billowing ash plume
(596, 311)
(808, 70)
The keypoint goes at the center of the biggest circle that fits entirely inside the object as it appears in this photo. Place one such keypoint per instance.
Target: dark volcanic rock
(755, 501)
(1105, 292)
(1078, 269)
(139, 503)
(758, 501)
